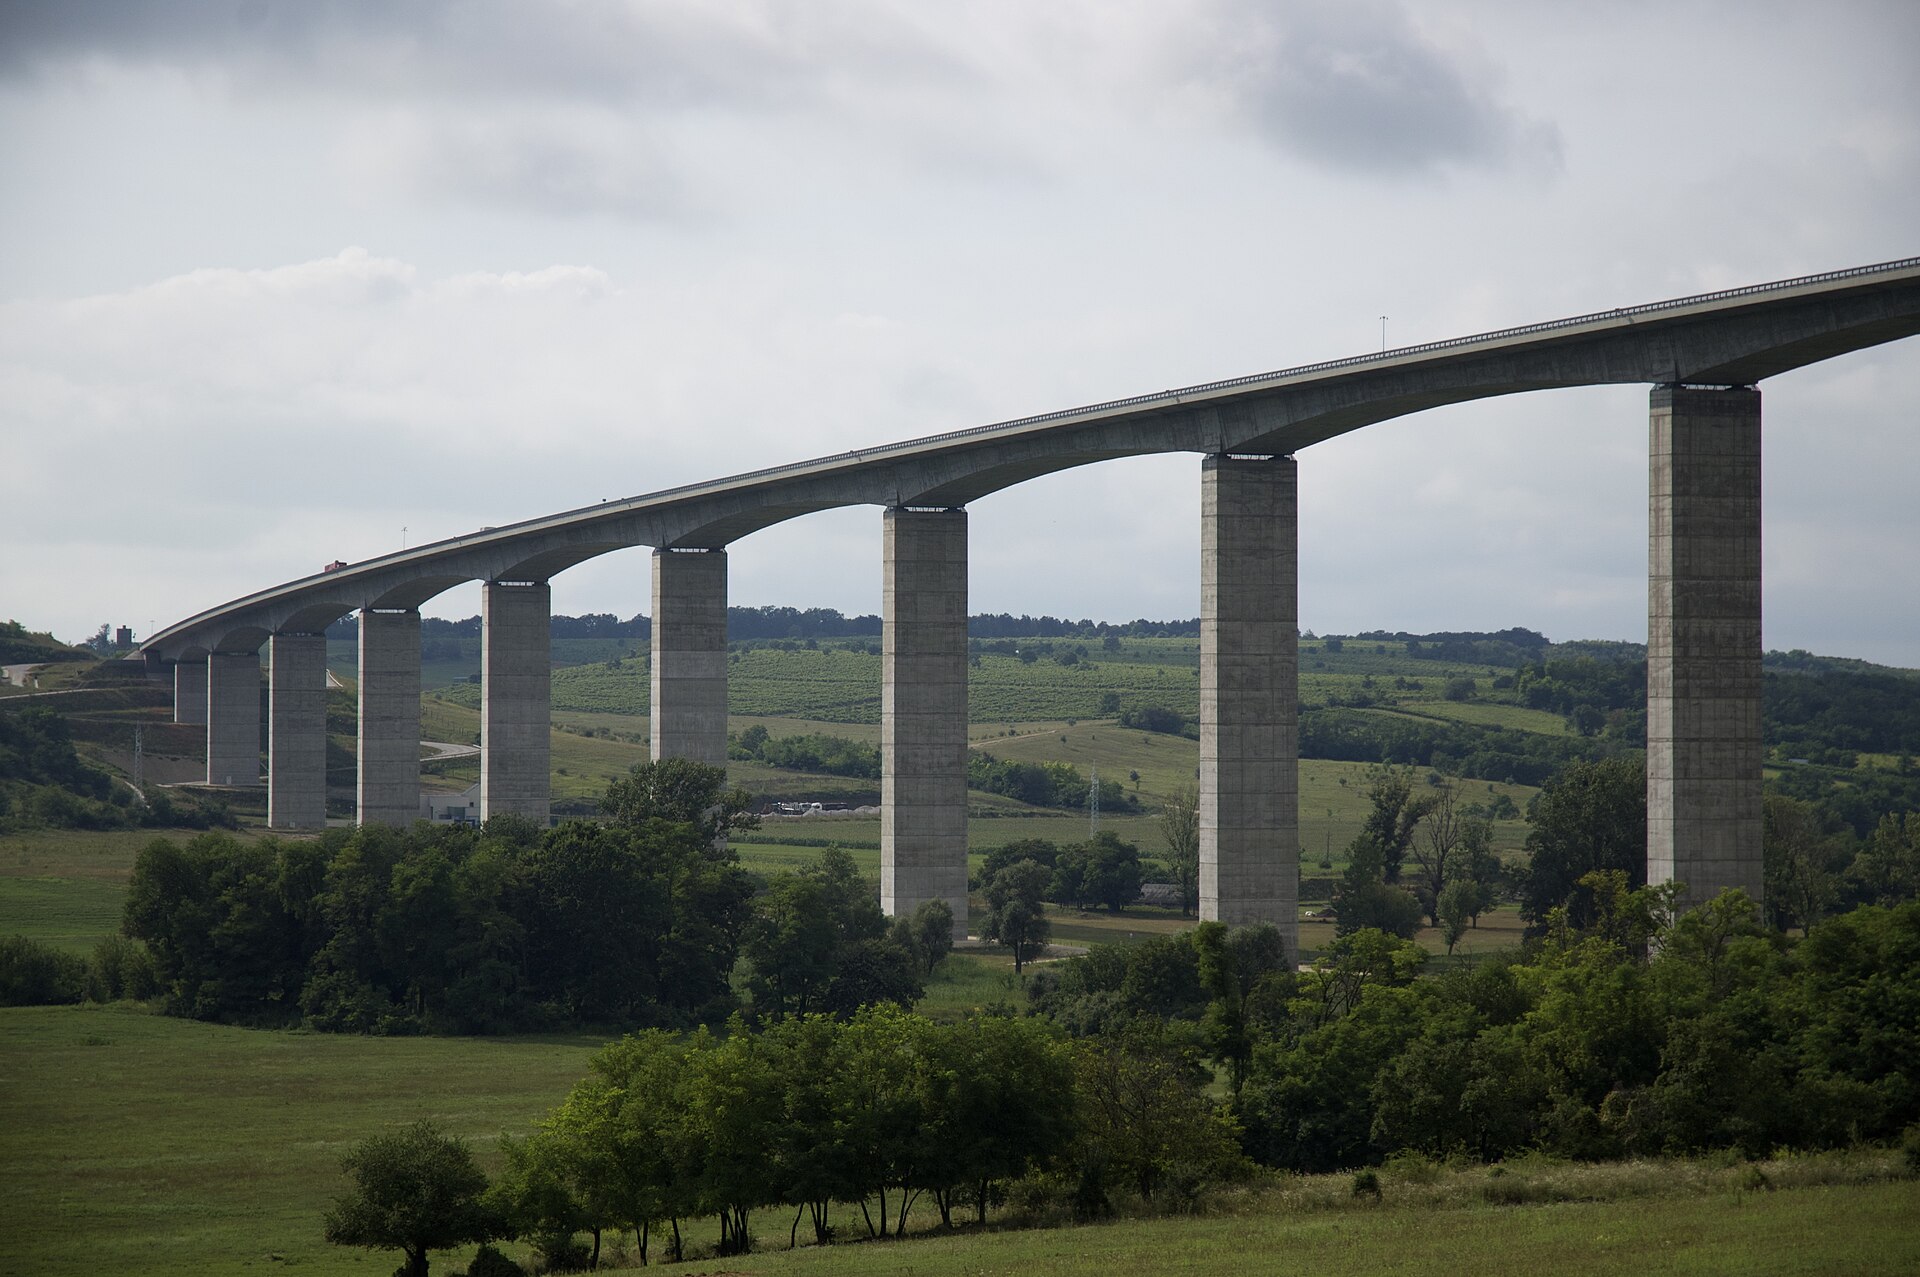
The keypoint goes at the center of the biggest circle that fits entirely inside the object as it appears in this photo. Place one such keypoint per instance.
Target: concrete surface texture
(190, 691)
(388, 787)
(689, 675)
(297, 731)
(923, 713)
(233, 718)
(1249, 693)
(1704, 748)
(515, 696)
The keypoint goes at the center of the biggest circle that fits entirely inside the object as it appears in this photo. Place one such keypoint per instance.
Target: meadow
(143, 1144)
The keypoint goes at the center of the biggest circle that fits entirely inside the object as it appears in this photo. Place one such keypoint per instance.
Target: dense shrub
(34, 974)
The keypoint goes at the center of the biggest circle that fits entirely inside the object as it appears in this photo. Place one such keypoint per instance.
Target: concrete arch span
(1702, 354)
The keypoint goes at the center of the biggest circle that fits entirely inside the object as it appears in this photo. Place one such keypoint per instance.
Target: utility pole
(139, 757)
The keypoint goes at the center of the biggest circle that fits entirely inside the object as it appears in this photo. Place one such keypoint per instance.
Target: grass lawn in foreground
(137, 1143)
(141, 1144)
(1862, 1231)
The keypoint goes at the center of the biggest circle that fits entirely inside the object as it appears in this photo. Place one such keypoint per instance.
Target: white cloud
(608, 249)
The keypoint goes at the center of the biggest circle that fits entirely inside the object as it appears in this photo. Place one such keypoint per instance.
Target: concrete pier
(1704, 748)
(923, 713)
(516, 691)
(297, 731)
(1249, 693)
(689, 678)
(190, 691)
(388, 789)
(233, 718)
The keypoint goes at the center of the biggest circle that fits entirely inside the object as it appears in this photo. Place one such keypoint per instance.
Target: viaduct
(1703, 357)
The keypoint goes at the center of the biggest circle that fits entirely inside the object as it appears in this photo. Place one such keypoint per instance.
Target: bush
(488, 1262)
(37, 975)
(563, 1253)
(121, 968)
(1367, 1184)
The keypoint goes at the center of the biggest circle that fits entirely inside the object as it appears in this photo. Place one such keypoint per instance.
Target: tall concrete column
(190, 691)
(388, 789)
(1249, 694)
(1704, 748)
(233, 718)
(516, 692)
(923, 713)
(689, 683)
(297, 731)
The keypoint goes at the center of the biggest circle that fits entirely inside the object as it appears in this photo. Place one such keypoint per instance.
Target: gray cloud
(1356, 86)
(687, 55)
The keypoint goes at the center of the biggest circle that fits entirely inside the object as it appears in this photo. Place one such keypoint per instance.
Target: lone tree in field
(413, 1191)
(1014, 914)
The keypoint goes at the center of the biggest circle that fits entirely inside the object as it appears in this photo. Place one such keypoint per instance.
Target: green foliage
(121, 968)
(1101, 872)
(386, 931)
(814, 752)
(1365, 901)
(1015, 917)
(1158, 718)
(678, 791)
(1593, 816)
(1046, 784)
(489, 1262)
(414, 1191)
(1146, 1122)
(34, 974)
(818, 942)
(1180, 831)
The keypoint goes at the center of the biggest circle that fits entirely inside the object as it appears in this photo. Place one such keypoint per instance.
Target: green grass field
(142, 1144)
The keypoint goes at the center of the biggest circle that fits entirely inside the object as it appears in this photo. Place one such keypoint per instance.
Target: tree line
(863, 1120)
(637, 919)
(1150, 1073)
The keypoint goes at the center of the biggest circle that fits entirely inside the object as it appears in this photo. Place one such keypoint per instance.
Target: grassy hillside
(142, 1144)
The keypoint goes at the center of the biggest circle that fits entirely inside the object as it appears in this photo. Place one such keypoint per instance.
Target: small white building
(443, 808)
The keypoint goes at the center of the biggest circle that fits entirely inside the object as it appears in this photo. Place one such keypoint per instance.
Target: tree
(1800, 882)
(1364, 900)
(621, 1132)
(414, 1191)
(1455, 908)
(1039, 849)
(542, 1193)
(996, 1105)
(1439, 847)
(1592, 816)
(1180, 830)
(1101, 871)
(1145, 1120)
(818, 941)
(679, 791)
(1887, 869)
(1014, 915)
(1395, 813)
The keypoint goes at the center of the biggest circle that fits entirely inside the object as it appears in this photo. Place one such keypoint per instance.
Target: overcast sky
(287, 282)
